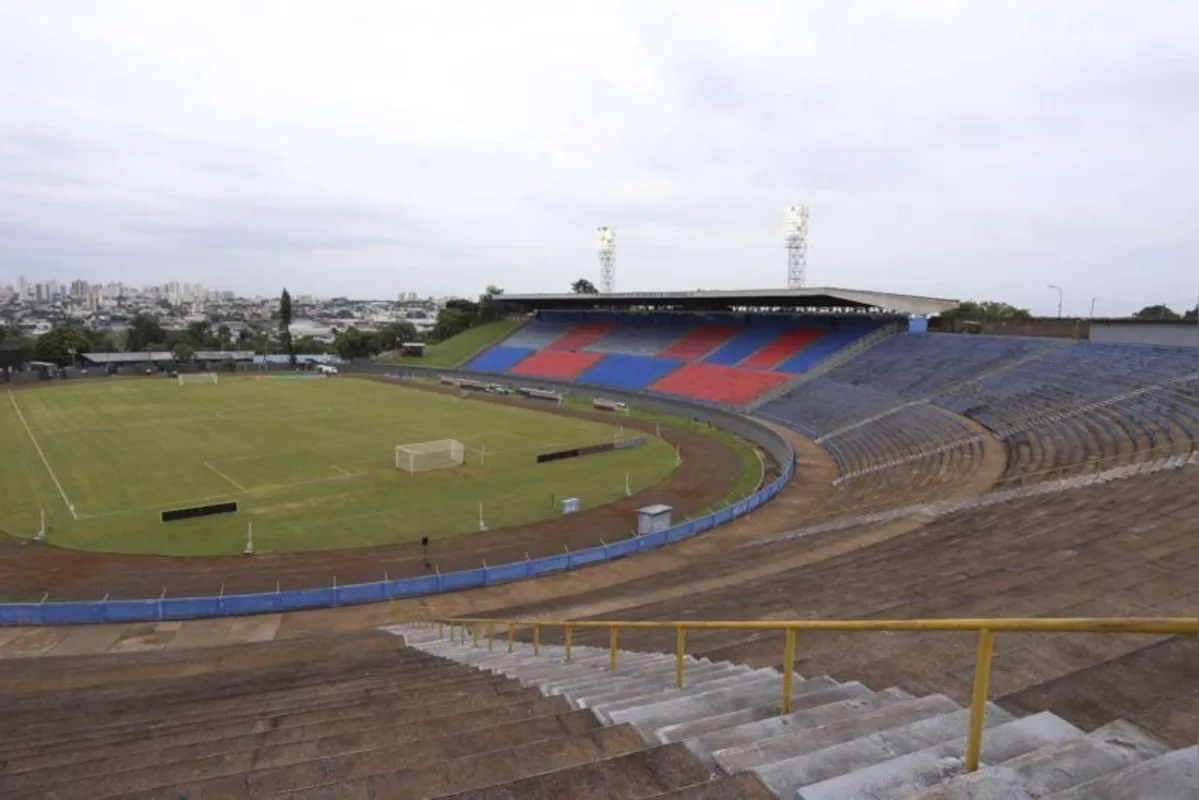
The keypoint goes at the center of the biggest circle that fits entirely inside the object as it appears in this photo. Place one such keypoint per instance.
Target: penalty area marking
(38, 447)
(226, 477)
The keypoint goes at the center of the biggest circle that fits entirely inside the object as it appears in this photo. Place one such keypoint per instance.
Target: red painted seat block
(719, 384)
(782, 348)
(580, 336)
(698, 343)
(555, 364)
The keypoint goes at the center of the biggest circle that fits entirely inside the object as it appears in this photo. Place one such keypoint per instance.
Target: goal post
(424, 456)
(197, 377)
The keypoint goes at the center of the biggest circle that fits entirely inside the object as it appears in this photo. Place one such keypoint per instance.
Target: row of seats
(723, 359)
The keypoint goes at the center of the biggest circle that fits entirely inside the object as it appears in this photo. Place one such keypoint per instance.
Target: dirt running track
(709, 470)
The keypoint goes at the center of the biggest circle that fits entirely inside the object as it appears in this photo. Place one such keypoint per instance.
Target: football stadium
(743, 544)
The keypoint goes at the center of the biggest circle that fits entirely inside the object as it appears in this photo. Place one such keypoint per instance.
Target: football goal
(424, 456)
(197, 377)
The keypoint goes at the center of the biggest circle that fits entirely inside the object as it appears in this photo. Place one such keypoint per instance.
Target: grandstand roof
(225, 355)
(825, 298)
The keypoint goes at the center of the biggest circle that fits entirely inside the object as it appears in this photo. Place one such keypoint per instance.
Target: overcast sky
(959, 149)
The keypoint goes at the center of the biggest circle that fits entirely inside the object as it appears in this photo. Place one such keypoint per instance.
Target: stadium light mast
(795, 237)
(605, 242)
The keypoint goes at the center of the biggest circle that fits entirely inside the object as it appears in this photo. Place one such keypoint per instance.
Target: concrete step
(562, 674)
(471, 685)
(616, 690)
(910, 773)
(672, 710)
(465, 774)
(621, 700)
(1173, 776)
(193, 710)
(287, 766)
(745, 786)
(476, 696)
(645, 772)
(289, 744)
(1054, 768)
(598, 678)
(726, 731)
(737, 751)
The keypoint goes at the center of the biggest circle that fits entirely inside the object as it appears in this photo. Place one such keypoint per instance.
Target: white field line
(226, 477)
(344, 472)
(38, 447)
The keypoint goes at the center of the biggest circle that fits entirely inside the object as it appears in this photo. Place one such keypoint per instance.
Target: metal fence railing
(985, 629)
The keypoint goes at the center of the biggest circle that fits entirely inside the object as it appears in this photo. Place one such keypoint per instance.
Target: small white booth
(651, 519)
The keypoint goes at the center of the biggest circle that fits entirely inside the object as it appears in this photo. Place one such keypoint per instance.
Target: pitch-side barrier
(228, 605)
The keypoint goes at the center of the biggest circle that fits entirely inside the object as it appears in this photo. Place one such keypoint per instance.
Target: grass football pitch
(311, 464)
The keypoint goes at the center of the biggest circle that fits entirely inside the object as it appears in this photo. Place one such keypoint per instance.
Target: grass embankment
(457, 349)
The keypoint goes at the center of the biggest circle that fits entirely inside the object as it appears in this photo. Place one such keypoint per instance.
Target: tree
(1192, 314)
(393, 335)
(1156, 312)
(988, 310)
(311, 346)
(183, 352)
(285, 326)
(583, 286)
(224, 337)
(144, 331)
(491, 305)
(353, 343)
(60, 346)
(200, 334)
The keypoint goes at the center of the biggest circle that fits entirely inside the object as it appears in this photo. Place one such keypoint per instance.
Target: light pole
(1059, 299)
(1093, 307)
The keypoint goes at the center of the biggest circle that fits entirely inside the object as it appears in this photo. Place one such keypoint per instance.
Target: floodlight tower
(605, 242)
(795, 237)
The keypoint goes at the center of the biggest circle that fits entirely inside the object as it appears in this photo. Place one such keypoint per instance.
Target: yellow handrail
(985, 628)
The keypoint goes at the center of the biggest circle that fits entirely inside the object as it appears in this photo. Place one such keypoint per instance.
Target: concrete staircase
(721, 736)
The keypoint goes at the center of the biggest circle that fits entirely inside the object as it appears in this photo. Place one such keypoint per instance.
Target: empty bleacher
(783, 347)
(580, 336)
(555, 364)
(820, 406)
(538, 334)
(700, 341)
(920, 364)
(743, 345)
(633, 373)
(500, 358)
(712, 383)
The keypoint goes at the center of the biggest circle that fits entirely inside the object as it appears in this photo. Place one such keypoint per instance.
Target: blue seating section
(920, 364)
(823, 348)
(744, 345)
(911, 430)
(1065, 379)
(628, 372)
(500, 359)
(820, 406)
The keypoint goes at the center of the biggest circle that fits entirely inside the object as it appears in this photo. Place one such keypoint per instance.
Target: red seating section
(719, 384)
(782, 348)
(698, 343)
(555, 364)
(580, 336)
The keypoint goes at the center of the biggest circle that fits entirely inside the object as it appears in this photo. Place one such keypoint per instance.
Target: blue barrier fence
(73, 613)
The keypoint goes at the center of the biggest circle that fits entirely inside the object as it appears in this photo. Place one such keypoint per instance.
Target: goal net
(197, 377)
(425, 456)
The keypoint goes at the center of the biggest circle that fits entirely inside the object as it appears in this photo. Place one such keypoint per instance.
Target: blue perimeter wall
(73, 613)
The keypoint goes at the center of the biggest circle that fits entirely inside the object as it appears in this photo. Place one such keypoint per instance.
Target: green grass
(457, 349)
(751, 474)
(310, 463)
